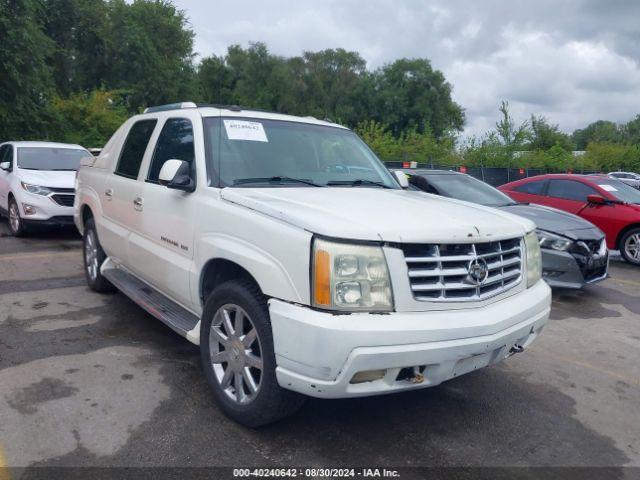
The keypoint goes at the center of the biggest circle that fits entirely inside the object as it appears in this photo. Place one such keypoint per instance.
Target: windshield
(464, 187)
(272, 153)
(620, 190)
(50, 158)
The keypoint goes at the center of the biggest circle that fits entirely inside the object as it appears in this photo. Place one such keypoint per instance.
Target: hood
(557, 221)
(49, 178)
(379, 214)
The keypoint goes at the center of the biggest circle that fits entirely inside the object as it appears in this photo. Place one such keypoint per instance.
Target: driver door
(163, 244)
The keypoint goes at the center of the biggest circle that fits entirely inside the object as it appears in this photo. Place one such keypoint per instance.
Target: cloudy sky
(573, 61)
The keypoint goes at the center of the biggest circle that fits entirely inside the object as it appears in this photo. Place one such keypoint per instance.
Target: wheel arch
(225, 257)
(219, 270)
(624, 231)
(85, 214)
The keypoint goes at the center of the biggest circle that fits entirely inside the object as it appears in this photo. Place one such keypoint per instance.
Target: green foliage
(543, 136)
(612, 157)
(25, 78)
(405, 96)
(600, 131)
(409, 94)
(88, 119)
(409, 146)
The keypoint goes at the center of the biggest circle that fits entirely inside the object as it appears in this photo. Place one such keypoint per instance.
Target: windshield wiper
(358, 182)
(276, 179)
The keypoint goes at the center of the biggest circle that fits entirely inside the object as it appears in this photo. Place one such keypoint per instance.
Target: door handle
(137, 203)
(109, 193)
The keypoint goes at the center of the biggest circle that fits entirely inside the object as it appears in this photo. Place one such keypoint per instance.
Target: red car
(610, 204)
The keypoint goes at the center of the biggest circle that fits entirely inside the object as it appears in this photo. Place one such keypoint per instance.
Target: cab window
(174, 143)
(570, 190)
(134, 147)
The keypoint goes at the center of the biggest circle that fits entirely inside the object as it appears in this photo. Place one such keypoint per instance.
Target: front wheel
(236, 345)
(94, 257)
(630, 246)
(16, 225)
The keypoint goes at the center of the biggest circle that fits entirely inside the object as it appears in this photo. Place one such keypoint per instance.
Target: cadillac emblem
(478, 271)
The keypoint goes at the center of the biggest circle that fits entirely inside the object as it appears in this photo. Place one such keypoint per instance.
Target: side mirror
(596, 200)
(402, 178)
(176, 174)
(6, 166)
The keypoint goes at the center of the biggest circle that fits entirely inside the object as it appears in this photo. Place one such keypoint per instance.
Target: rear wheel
(94, 257)
(236, 346)
(16, 225)
(630, 246)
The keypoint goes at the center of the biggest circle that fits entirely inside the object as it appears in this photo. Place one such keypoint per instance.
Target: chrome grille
(440, 272)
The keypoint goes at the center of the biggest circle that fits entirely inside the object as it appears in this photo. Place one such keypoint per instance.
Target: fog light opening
(368, 376)
(28, 209)
(412, 374)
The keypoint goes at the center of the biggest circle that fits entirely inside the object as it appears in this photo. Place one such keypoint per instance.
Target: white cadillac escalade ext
(284, 248)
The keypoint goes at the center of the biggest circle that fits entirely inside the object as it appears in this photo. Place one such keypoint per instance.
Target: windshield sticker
(243, 130)
(608, 188)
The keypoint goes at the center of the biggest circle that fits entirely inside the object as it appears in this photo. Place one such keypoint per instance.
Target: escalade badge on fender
(478, 271)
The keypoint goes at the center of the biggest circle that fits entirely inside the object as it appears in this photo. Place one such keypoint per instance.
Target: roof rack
(233, 108)
(170, 106)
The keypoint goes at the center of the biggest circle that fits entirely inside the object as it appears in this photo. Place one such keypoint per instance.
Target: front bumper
(564, 270)
(47, 210)
(318, 353)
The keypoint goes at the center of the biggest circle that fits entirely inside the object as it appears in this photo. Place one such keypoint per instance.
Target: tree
(513, 139)
(600, 131)
(88, 119)
(25, 78)
(544, 136)
(411, 94)
(148, 51)
(632, 131)
(78, 29)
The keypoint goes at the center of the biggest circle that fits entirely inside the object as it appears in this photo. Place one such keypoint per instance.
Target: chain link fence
(495, 176)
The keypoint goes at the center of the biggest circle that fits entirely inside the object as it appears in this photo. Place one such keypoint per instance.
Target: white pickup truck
(284, 248)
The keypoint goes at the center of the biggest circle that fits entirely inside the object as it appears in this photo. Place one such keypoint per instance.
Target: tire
(250, 352)
(630, 246)
(93, 256)
(16, 225)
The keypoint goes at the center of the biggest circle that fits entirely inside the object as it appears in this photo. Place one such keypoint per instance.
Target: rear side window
(175, 142)
(134, 148)
(570, 190)
(532, 188)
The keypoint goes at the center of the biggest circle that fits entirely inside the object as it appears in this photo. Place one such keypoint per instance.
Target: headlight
(35, 189)
(350, 277)
(534, 258)
(552, 241)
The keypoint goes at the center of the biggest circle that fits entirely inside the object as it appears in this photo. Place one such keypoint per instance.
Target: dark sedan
(574, 251)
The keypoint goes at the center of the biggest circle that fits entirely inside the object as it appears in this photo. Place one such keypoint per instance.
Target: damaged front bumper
(328, 355)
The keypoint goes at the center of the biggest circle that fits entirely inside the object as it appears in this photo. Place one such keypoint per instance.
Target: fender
(269, 272)
(87, 196)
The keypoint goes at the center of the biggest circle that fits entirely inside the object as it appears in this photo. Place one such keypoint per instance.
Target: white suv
(37, 183)
(284, 248)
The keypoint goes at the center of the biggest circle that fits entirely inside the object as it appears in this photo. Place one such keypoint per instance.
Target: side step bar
(154, 302)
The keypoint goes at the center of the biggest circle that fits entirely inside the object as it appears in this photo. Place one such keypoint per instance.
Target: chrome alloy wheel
(236, 353)
(91, 254)
(14, 217)
(632, 247)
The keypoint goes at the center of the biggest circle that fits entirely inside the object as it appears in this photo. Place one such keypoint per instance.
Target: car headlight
(350, 277)
(38, 190)
(534, 258)
(552, 241)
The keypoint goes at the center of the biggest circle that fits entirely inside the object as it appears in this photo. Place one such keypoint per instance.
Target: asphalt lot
(88, 379)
